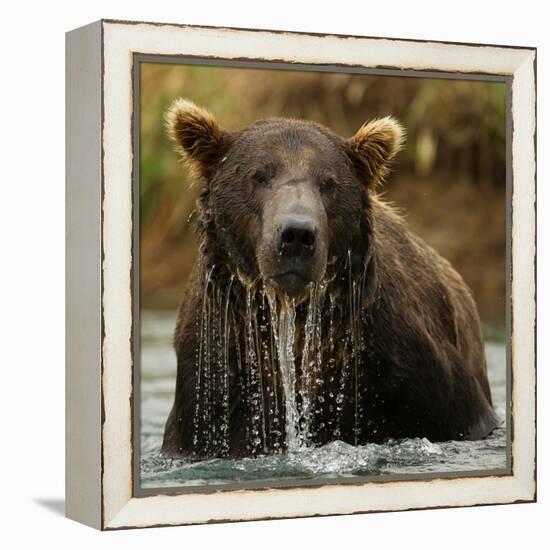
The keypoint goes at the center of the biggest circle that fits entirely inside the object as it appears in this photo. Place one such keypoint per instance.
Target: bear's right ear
(197, 136)
(374, 145)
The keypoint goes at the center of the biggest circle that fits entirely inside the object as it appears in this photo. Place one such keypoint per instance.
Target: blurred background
(449, 181)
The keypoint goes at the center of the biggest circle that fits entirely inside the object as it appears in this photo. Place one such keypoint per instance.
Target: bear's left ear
(375, 144)
(197, 136)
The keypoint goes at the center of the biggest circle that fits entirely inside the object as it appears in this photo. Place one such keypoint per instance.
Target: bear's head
(284, 200)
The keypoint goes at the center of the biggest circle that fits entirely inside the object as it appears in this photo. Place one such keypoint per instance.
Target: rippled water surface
(334, 460)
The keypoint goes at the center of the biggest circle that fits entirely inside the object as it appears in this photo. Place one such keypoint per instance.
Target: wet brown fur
(423, 370)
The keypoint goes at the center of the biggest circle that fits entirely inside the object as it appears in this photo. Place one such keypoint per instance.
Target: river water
(334, 461)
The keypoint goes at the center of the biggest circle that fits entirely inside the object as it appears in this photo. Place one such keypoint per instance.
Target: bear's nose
(296, 237)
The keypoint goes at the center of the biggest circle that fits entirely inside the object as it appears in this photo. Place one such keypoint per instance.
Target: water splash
(270, 359)
(408, 456)
(285, 351)
(225, 398)
(311, 380)
(296, 368)
(254, 371)
(201, 408)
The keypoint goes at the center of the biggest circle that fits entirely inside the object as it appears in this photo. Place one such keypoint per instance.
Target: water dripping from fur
(296, 368)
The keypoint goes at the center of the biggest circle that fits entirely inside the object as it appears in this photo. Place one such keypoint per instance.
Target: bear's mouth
(291, 282)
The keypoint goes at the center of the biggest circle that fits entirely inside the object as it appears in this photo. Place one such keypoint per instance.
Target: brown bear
(313, 314)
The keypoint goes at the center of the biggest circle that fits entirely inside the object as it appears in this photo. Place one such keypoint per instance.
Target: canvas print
(322, 277)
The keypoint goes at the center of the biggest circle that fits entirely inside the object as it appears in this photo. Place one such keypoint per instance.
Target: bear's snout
(296, 243)
(297, 235)
(293, 250)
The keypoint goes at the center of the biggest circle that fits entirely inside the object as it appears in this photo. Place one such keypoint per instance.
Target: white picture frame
(101, 250)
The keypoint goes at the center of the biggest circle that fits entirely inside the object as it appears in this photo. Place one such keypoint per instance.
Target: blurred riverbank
(449, 181)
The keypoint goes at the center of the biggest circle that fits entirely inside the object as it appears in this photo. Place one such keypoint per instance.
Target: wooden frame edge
(117, 509)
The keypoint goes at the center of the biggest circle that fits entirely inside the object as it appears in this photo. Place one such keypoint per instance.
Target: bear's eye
(261, 176)
(328, 182)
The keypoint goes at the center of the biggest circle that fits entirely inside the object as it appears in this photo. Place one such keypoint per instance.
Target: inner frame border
(252, 63)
